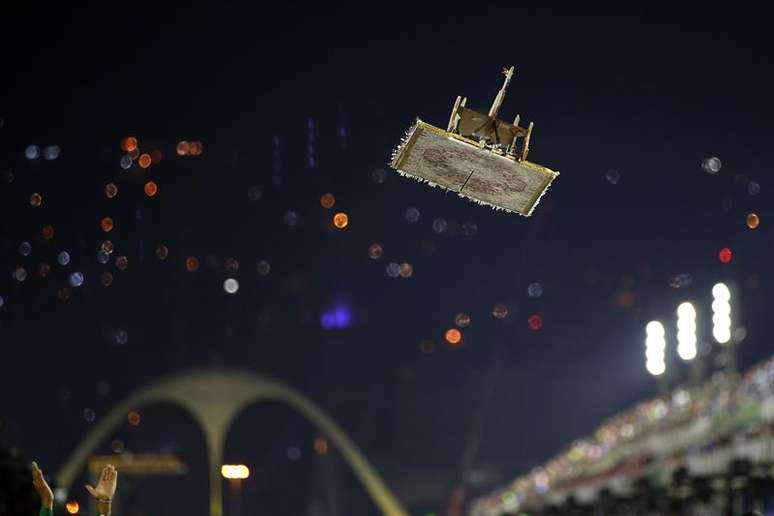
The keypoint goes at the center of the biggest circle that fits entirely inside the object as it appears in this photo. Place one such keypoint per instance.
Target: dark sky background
(646, 92)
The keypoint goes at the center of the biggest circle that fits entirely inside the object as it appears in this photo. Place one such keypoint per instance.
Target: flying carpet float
(478, 156)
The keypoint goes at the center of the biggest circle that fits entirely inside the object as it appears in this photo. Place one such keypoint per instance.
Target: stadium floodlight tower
(721, 323)
(686, 331)
(655, 350)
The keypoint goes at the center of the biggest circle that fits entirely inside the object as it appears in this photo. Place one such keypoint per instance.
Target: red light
(535, 322)
(725, 255)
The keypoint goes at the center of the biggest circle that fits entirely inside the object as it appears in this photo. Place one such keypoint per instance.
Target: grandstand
(704, 450)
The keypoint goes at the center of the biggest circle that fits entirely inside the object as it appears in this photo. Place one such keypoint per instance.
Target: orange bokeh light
(129, 143)
(36, 200)
(753, 221)
(106, 224)
(321, 445)
(327, 201)
(72, 507)
(134, 418)
(151, 188)
(183, 147)
(192, 264)
(453, 336)
(107, 246)
(144, 161)
(341, 220)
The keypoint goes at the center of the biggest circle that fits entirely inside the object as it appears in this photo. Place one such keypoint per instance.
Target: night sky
(626, 107)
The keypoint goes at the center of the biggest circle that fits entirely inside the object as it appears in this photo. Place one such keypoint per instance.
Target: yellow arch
(214, 398)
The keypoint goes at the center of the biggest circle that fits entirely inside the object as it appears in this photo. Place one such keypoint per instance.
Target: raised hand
(41, 486)
(106, 486)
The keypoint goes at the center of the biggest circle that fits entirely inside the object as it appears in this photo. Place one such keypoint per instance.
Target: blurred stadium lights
(686, 331)
(655, 347)
(721, 313)
(234, 471)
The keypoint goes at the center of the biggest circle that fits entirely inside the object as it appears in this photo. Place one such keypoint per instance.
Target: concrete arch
(214, 398)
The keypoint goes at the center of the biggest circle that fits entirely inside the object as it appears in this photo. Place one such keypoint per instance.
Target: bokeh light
(192, 264)
(51, 152)
(43, 269)
(183, 148)
(63, 258)
(129, 144)
(103, 257)
(753, 188)
(711, 165)
(126, 162)
(89, 415)
(111, 190)
(162, 252)
(725, 255)
(427, 346)
(406, 270)
(535, 289)
(469, 229)
(453, 337)
(254, 193)
(613, 176)
(263, 267)
(106, 279)
(341, 220)
(500, 311)
(32, 152)
(20, 274)
(231, 286)
(122, 262)
(440, 225)
(290, 218)
(106, 224)
(321, 445)
(151, 188)
(47, 232)
(25, 248)
(195, 148)
(753, 221)
(107, 246)
(232, 265)
(76, 279)
(393, 270)
(36, 200)
(133, 417)
(462, 319)
(375, 251)
(379, 176)
(535, 322)
(412, 215)
(144, 161)
(63, 294)
(72, 507)
(327, 200)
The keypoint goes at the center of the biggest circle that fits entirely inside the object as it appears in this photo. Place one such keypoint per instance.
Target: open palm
(106, 486)
(41, 486)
